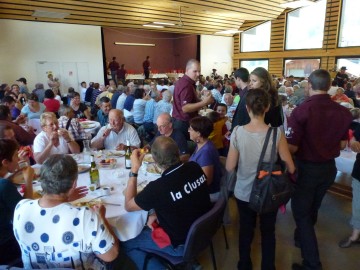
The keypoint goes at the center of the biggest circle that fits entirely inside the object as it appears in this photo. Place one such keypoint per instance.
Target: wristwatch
(131, 174)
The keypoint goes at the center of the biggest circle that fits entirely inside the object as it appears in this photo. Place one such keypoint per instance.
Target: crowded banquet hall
(180, 134)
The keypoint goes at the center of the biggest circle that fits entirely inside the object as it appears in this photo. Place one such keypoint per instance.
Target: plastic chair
(199, 237)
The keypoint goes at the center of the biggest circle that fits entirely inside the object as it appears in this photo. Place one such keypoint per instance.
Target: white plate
(148, 158)
(153, 169)
(87, 124)
(114, 153)
(83, 167)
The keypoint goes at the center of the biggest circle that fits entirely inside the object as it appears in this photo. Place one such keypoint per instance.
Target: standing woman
(261, 78)
(245, 148)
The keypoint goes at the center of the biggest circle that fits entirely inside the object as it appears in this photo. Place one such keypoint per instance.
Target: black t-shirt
(79, 113)
(179, 138)
(179, 197)
(356, 169)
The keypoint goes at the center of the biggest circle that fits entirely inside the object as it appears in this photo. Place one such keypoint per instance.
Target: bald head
(116, 119)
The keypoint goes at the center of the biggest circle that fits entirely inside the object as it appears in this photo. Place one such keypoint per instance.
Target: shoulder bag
(272, 187)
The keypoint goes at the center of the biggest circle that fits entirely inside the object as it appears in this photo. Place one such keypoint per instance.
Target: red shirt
(52, 105)
(184, 93)
(317, 126)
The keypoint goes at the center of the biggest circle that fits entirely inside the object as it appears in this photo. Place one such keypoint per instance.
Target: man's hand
(54, 138)
(121, 146)
(208, 98)
(151, 220)
(65, 134)
(77, 193)
(136, 160)
(355, 146)
(20, 119)
(106, 132)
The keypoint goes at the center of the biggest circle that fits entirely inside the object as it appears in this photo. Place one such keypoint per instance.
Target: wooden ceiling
(189, 16)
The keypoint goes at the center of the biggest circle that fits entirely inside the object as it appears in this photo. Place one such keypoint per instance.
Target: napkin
(159, 236)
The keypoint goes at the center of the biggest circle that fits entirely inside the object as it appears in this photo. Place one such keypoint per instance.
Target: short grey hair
(167, 96)
(303, 83)
(58, 174)
(165, 152)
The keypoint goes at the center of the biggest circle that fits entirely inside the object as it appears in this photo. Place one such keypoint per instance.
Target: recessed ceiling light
(163, 23)
(297, 4)
(153, 25)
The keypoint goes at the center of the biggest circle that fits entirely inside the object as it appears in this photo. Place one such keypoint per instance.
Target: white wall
(216, 52)
(25, 46)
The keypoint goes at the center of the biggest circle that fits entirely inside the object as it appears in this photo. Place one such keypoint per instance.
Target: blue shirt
(208, 155)
(103, 119)
(179, 138)
(162, 107)
(149, 111)
(129, 102)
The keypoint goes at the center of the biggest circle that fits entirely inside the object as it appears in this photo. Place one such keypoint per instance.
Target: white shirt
(41, 141)
(82, 94)
(128, 132)
(60, 236)
(121, 101)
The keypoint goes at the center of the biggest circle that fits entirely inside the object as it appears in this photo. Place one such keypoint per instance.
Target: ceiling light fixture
(164, 23)
(297, 4)
(49, 14)
(134, 44)
(153, 25)
(228, 32)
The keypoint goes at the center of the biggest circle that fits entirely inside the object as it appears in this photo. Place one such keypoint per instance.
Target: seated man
(59, 234)
(165, 128)
(114, 135)
(52, 140)
(103, 113)
(175, 203)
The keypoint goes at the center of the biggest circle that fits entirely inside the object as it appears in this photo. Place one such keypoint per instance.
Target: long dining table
(113, 182)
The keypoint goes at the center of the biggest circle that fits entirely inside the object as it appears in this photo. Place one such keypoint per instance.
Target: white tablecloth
(135, 77)
(345, 162)
(127, 225)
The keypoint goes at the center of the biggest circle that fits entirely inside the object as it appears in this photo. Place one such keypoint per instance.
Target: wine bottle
(94, 173)
(128, 155)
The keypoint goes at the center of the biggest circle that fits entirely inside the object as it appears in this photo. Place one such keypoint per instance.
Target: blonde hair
(47, 115)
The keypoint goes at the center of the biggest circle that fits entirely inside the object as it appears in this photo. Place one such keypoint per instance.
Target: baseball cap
(23, 80)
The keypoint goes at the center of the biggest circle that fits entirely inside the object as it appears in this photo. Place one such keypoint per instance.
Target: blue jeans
(314, 179)
(144, 240)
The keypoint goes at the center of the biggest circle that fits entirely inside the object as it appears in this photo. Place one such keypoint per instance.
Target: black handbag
(271, 187)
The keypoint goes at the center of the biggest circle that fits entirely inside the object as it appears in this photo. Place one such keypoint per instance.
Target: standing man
(146, 67)
(186, 101)
(121, 73)
(316, 139)
(241, 116)
(114, 66)
(341, 77)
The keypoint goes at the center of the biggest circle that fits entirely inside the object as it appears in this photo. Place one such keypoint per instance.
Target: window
(350, 24)
(305, 27)
(256, 39)
(250, 65)
(352, 65)
(301, 67)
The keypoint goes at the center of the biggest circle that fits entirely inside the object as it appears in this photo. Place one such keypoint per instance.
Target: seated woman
(340, 96)
(68, 122)
(52, 140)
(51, 104)
(33, 109)
(79, 108)
(9, 197)
(59, 234)
(206, 154)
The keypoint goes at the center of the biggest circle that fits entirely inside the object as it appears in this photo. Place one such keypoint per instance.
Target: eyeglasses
(51, 125)
(164, 125)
